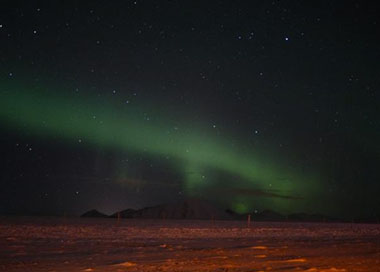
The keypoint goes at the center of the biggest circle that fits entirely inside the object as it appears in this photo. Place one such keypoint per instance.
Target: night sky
(250, 105)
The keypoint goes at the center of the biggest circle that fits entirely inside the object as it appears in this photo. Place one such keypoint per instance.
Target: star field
(251, 105)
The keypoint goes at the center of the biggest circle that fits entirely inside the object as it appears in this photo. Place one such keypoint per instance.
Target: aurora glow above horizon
(193, 148)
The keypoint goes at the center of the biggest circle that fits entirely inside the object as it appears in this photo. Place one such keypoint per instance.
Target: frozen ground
(56, 244)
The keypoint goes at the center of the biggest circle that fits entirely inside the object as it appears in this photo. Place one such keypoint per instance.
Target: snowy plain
(79, 244)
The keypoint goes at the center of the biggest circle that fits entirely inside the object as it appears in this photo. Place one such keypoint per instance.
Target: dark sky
(252, 105)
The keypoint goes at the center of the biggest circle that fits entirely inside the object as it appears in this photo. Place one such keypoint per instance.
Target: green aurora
(195, 150)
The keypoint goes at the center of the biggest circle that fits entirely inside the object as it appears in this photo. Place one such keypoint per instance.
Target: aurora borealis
(257, 107)
(193, 150)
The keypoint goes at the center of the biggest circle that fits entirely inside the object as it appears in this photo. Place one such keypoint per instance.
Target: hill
(94, 213)
(187, 209)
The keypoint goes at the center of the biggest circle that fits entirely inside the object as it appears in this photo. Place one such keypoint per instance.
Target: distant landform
(197, 209)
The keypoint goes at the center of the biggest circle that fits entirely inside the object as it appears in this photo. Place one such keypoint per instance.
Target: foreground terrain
(57, 244)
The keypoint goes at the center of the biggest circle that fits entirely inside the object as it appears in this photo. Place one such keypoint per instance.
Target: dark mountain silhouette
(366, 219)
(94, 213)
(234, 215)
(195, 208)
(268, 215)
(272, 216)
(305, 217)
(187, 209)
(128, 213)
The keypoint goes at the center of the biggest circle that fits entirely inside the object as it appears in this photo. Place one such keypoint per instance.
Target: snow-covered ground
(77, 244)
